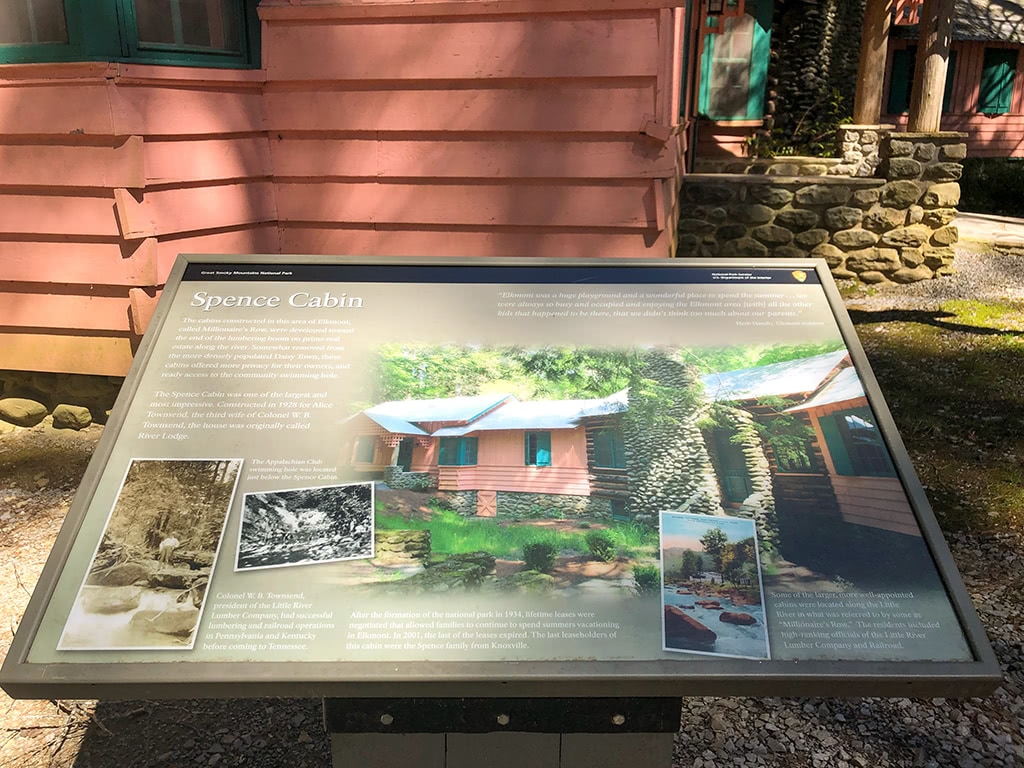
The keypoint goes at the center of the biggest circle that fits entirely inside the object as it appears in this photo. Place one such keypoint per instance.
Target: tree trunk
(867, 104)
(932, 59)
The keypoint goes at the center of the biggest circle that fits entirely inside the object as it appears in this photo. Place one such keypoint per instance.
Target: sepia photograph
(148, 577)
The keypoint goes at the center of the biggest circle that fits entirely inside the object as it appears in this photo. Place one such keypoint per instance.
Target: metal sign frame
(69, 677)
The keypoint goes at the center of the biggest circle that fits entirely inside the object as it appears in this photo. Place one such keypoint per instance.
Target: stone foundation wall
(893, 228)
(860, 146)
(73, 401)
(554, 506)
(396, 477)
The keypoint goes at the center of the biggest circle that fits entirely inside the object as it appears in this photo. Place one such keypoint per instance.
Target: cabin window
(365, 447)
(208, 33)
(901, 80)
(998, 71)
(734, 63)
(609, 449)
(457, 452)
(538, 449)
(855, 444)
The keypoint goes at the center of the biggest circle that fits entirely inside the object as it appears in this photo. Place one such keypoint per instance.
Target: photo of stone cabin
(844, 476)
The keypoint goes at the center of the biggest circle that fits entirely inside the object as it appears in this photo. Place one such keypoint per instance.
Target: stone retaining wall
(896, 227)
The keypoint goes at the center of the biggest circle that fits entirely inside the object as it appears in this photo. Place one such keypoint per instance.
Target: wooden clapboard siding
(502, 128)
(439, 127)
(534, 46)
(109, 172)
(589, 107)
(100, 354)
(626, 205)
(572, 481)
(550, 242)
(722, 139)
(526, 158)
(65, 310)
(191, 209)
(190, 161)
(117, 162)
(122, 264)
(506, 448)
(877, 502)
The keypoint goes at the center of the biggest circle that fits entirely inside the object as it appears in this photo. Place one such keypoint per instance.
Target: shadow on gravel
(936, 318)
(259, 733)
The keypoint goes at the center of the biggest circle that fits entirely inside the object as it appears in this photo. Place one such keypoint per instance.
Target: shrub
(648, 579)
(539, 556)
(601, 545)
(993, 185)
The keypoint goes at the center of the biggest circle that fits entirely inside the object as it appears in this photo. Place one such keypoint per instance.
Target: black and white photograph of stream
(147, 581)
(306, 525)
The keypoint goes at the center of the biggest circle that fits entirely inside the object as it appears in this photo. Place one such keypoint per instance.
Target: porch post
(867, 103)
(932, 58)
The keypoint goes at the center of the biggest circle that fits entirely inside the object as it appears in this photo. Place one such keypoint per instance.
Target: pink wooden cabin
(428, 127)
(490, 444)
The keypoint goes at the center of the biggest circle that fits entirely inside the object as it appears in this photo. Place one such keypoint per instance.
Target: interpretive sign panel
(326, 476)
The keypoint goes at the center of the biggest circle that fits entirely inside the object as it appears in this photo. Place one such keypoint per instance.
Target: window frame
(760, 50)
(359, 449)
(537, 448)
(609, 441)
(847, 460)
(465, 450)
(106, 30)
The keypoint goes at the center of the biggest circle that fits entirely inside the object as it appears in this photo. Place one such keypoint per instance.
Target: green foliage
(601, 545)
(451, 533)
(734, 358)
(566, 373)
(993, 185)
(812, 134)
(715, 542)
(421, 371)
(540, 556)
(648, 579)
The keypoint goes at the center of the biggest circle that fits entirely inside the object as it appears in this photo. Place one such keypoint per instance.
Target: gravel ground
(39, 468)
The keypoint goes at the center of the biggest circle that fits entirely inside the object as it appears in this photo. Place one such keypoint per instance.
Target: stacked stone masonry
(893, 227)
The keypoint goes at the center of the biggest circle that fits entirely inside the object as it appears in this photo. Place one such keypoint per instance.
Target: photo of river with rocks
(147, 581)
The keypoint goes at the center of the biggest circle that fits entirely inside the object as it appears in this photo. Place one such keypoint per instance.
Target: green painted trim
(759, 58)
(705, 75)
(105, 30)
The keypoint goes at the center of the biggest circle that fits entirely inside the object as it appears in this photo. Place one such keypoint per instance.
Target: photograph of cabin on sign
(146, 585)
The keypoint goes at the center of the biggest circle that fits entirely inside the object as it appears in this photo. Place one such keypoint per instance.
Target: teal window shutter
(537, 448)
(901, 79)
(836, 446)
(998, 71)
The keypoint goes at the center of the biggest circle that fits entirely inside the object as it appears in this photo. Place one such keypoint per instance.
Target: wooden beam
(932, 59)
(867, 104)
